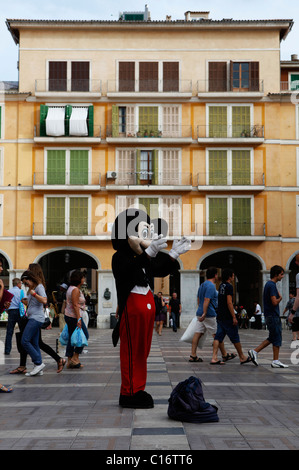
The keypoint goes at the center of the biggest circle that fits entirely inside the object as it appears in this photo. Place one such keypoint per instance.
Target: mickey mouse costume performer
(138, 259)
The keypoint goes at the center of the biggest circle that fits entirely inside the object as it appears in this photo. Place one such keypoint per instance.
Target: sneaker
(37, 369)
(278, 365)
(28, 374)
(253, 356)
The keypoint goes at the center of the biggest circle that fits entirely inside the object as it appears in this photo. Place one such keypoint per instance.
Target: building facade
(196, 120)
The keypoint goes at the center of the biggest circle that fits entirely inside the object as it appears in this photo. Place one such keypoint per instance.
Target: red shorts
(136, 331)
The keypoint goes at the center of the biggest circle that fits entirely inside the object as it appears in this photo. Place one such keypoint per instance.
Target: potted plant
(145, 133)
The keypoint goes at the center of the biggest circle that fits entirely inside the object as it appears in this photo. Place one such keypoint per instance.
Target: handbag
(21, 305)
(47, 321)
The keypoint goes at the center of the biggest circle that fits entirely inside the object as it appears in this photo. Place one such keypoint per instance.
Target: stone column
(189, 287)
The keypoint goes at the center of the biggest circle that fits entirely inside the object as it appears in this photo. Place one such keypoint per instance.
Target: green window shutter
(115, 129)
(138, 166)
(218, 167)
(294, 85)
(56, 167)
(148, 119)
(55, 216)
(240, 121)
(68, 112)
(90, 121)
(151, 206)
(79, 167)
(218, 216)
(217, 121)
(42, 120)
(155, 170)
(78, 221)
(241, 216)
(241, 167)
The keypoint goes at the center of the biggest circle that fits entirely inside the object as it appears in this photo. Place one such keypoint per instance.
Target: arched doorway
(6, 265)
(247, 269)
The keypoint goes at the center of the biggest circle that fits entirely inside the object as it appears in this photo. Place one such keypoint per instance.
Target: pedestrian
(227, 323)
(74, 309)
(207, 301)
(175, 311)
(161, 312)
(271, 301)
(36, 299)
(294, 314)
(243, 318)
(14, 315)
(292, 319)
(257, 315)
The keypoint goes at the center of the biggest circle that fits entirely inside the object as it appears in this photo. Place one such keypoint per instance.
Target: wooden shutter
(115, 129)
(56, 167)
(80, 76)
(151, 205)
(148, 76)
(217, 216)
(218, 76)
(171, 212)
(171, 121)
(42, 120)
(170, 76)
(148, 119)
(68, 113)
(241, 223)
(90, 121)
(217, 121)
(57, 76)
(241, 167)
(78, 217)
(170, 171)
(240, 121)
(155, 167)
(254, 76)
(126, 76)
(55, 216)
(126, 167)
(217, 167)
(79, 167)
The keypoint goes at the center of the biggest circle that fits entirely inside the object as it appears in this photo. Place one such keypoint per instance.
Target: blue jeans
(13, 318)
(72, 325)
(30, 340)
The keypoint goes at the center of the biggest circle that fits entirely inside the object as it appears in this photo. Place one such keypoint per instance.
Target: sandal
(74, 365)
(228, 357)
(218, 363)
(195, 359)
(247, 360)
(4, 389)
(60, 365)
(19, 370)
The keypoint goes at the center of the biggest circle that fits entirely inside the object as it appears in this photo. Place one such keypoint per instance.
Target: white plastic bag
(189, 333)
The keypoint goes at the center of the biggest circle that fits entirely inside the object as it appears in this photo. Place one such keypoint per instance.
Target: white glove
(156, 245)
(180, 247)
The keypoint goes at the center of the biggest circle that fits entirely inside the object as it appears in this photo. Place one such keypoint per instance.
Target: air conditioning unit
(111, 175)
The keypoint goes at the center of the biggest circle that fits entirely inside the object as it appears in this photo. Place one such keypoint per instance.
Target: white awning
(55, 122)
(78, 122)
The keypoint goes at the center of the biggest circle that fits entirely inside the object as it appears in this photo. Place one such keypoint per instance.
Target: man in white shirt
(13, 313)
(258, 316)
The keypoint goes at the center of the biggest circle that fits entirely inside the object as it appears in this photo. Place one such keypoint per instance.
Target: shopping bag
(64, 336)
(189, 333)
(78, 338)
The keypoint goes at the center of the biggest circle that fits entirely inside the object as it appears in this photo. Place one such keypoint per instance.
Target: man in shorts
(227, 322)
(207, 300)
(271, 300)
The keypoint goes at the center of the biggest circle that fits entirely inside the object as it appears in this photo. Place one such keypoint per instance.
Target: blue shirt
(207, 290)
(270, 290)
(15, 301)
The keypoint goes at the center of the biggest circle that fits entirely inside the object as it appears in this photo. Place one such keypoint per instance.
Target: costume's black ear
(160, 226)
(126, 225)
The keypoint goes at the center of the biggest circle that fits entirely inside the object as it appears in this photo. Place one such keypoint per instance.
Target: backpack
(187, 403)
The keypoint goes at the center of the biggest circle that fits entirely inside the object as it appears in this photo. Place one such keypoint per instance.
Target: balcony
(227, 230)
(149, 88)
(170, 133)
(149, 181)
(224, 88)
(74, 230)
(289, 86)
(231, 181)
(66, 135)
(68, 88)
(66, 181)
(238, 134)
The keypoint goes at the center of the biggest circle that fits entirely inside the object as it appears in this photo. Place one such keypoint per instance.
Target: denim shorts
(227, 328)
(275, 330)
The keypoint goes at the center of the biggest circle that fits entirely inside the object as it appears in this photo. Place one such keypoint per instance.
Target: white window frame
(67, 210)
(67, 162)
(229, 151)
(229, 107)
(1, 213)
(229, 213)
(2, 126)
(68, 72)
(1, 166)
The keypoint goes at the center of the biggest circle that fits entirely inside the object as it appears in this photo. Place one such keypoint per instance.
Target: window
(229, 121)
(67, 120)
(168, 208)
(230, 216)
(148, 76)
(1, 121)
(67, 215)
(69, 76)
(229, 167)
(234, 76)
(1, 214)
(67, 166)
(1, 166)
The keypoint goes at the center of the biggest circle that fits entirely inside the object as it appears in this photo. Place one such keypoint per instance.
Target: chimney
(294, 57)
(196, 15)
(168, 17)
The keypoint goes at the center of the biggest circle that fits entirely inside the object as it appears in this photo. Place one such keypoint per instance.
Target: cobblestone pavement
(258, 407)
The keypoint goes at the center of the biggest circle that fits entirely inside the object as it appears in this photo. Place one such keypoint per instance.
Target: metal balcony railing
(67, 179)
(149, 86)
(235, 178)
(54, 227)
(144, 177)
(289, 86)
(230, 131)
(66, 131)
(226, 228)
(68, 85)
(167, 131)
(235, 86)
